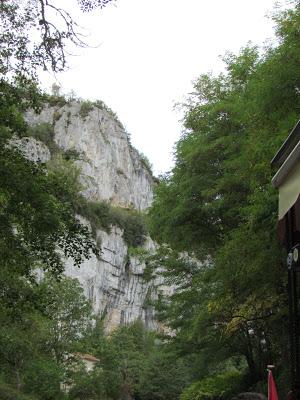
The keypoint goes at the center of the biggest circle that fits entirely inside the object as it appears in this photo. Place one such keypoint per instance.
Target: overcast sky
(149, 52)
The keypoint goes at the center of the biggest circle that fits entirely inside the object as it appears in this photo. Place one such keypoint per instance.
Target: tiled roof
(87, 357)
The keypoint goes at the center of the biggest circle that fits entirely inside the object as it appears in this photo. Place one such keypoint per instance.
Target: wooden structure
(287, 181)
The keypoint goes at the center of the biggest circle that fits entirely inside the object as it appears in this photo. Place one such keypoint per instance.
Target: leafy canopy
(218, 204)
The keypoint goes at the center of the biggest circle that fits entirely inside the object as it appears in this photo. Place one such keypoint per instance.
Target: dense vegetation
(133, 364)
(102, 215)
(218, 204)
(228, 315)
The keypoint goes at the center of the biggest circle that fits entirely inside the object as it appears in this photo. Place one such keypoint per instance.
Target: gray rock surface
(32, 149)
(112, 170)
(114, 282)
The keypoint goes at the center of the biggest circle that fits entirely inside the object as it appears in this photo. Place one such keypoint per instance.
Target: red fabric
(272, 391)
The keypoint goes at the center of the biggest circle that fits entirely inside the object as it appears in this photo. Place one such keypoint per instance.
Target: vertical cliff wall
(114, 171)
(111, 168)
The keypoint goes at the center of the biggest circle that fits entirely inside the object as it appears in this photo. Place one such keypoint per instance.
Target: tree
(223, 385)
(163, 377)
(69, 314)
(35, 222)
(43, 378)
(130, 345)
(38, 219)
(133, 363)
(34, 34)
(218, 204)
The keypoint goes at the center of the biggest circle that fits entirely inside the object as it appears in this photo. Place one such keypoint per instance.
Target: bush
(98, 214)
(56, 116)
(65, 174)
(146, 163)
(102, 216)
(45, 133)
(131, 221)
(9, 393)
(85, 108)
(102, 106)
(220, 386)
(88, 386)
(55, 101)
(72, 154)
(43, 378)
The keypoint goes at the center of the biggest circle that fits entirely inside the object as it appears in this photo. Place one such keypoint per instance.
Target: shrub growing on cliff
(102, 106)
(133, 224)
(56, 101)
(72, 154)
(103, 216)
(146, 163)
(85, 108)
(43, 132)
(97, 212)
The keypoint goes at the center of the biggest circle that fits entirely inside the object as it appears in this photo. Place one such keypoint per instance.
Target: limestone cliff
(112, 170)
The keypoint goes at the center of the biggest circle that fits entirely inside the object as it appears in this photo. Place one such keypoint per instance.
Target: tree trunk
(18, 379)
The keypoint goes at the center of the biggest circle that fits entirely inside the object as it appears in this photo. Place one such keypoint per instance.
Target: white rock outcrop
(115, 284)
(112, 170)
(32, 149)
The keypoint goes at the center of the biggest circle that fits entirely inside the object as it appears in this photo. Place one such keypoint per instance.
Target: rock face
(112, 170)
(115, 284)
(32, 149)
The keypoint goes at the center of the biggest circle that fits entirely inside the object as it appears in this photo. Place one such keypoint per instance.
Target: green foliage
(56, 116)
(88, 386)
(9, 393)
(66, 175)
(85, 108)
(16, 97)
(120, 171)
(69, 314)
(98, 213)
(43, 379)
(103, 216)
(45, 133)
(72, 154)
(102, 106)
(146, 163)
(121, 360)
(40, 331)
(131, 221)
(37, 217)
(221, 386)
(163, 377)
(35, 40)
(133, 363)
(218, 204)
(55, 101)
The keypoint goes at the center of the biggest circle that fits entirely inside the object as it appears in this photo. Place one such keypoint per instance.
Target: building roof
(87, 357)
(287, 147)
